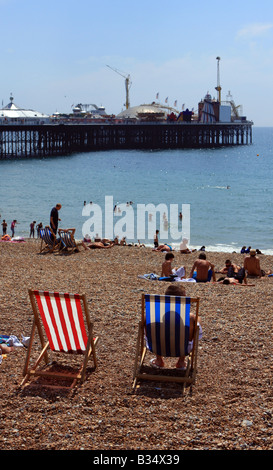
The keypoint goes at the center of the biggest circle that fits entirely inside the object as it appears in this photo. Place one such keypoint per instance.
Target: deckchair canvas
(48, 240)
(164, 330)
(63, 319)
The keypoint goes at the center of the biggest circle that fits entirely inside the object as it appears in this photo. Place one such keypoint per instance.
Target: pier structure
(21, 141)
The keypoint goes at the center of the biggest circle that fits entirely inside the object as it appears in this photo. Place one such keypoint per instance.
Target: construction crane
(235, 109)
(218, 87)
(128, 84)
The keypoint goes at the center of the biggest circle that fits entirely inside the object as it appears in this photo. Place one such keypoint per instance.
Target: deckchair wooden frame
(36, 370)
(49, 241)
(185, 378)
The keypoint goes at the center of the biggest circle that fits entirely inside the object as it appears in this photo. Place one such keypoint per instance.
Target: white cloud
(254, 30)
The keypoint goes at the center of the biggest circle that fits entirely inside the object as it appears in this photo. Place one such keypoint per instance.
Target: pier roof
(142, 110)
(12, 111)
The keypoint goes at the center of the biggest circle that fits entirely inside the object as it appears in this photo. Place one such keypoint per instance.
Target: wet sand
(231, 406)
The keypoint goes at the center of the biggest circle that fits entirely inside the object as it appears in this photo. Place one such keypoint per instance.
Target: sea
(225, 194)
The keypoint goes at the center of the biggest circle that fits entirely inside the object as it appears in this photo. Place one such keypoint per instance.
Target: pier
(22, 140)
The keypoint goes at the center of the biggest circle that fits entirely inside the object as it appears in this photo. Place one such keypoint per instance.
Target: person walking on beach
(12, 227)
(54, 217)
(32, 226)
(204, 269)
(4, 227)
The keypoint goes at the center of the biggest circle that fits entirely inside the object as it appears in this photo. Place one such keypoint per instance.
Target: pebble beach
(231, 404)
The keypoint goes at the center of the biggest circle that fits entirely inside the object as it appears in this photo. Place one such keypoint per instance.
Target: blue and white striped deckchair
(167, 325)
(164, 330)
(67, 240)
(48, 240)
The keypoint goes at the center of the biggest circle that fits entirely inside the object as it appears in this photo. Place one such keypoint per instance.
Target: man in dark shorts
(54, 217)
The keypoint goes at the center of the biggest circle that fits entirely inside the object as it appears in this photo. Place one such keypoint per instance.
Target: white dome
(11, 112)
(144, 111)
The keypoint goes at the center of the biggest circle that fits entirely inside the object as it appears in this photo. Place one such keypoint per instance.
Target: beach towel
(149, 277)
(155, 277)
(7, 238)
(13, 341)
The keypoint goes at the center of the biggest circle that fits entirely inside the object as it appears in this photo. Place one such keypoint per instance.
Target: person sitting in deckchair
(158, 362)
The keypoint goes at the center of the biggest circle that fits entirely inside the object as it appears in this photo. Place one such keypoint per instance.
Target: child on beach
(4, 227)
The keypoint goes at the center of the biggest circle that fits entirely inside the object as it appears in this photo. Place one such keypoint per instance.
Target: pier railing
(62, 139)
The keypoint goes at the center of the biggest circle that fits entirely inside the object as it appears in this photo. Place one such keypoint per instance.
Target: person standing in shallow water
(54, 217)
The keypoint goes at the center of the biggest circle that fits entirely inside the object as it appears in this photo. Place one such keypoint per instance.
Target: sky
(58, 53)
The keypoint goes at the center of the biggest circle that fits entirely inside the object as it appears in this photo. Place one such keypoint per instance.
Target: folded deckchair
(48, 240)
(164, 330)
(63, 319)
(67, 241)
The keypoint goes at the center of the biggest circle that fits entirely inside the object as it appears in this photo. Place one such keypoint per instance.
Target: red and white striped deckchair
(64, 320)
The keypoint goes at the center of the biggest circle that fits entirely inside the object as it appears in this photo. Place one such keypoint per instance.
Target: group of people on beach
(5, 227)
(202, 271)
(13, 225)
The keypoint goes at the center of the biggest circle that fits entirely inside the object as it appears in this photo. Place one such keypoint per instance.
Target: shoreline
(218, 248)
(231, 404)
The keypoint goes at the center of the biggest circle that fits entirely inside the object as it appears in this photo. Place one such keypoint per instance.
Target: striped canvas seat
(48, 240)
(167, 325)
(164, 331)
(67, 240)
(63, 319)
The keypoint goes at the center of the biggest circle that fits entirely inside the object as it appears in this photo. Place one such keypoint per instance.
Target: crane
(218, 87)
(128, 84)
(235, 109)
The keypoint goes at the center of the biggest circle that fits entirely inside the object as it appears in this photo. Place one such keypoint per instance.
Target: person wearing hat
(252, 264)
